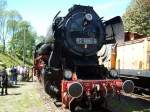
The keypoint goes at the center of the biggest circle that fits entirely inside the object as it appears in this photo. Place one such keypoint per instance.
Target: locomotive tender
(68, 63)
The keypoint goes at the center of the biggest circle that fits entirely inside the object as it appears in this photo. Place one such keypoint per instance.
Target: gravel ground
(130, 103)
(48, 101)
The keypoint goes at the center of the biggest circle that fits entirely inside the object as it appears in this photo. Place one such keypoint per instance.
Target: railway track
(51, 107)
(143, 96)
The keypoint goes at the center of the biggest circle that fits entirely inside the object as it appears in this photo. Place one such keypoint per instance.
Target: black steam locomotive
(67, 62)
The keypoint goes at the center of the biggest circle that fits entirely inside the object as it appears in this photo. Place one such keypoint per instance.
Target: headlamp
(67, 74)
(88, 17)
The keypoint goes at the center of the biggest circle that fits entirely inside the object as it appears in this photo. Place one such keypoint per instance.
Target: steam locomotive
(67, 62)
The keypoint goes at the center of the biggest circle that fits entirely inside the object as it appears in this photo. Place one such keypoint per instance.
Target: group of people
(4, 76)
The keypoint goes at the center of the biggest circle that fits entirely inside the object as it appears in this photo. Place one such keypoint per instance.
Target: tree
(136, 17)
(3, 22)
(3, 4)
(8, 24)
(12, 23)
(23, 41)
(3, 27)
(39, 39)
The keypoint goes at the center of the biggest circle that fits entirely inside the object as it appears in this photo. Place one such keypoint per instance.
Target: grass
(9, 60)
(22, 99)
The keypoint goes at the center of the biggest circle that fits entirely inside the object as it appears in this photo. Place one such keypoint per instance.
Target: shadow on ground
(14, 86)
(21, 84)
(11, 94)
(14, 94)
(18, 85)
(129, 104)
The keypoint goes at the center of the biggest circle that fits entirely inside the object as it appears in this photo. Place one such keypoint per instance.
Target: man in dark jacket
(4, 76)
(14, 74)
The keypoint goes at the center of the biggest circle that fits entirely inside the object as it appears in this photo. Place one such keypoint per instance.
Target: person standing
(4, 76)
(0, 80)
(14, 74)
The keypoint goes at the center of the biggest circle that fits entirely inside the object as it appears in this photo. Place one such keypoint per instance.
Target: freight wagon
(132, 59)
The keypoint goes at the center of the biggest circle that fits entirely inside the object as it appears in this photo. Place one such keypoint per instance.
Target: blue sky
(41, 12)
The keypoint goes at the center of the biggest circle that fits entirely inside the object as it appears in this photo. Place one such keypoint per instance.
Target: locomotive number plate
(86, 41)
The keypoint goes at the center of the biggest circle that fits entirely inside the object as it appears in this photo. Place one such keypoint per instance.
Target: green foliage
(13, 20)
(137, 17)
(18, 32)
(23, 40)
(8, 25)
(3, 27)
(1, 48)
(39, 39)
(3, 21)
